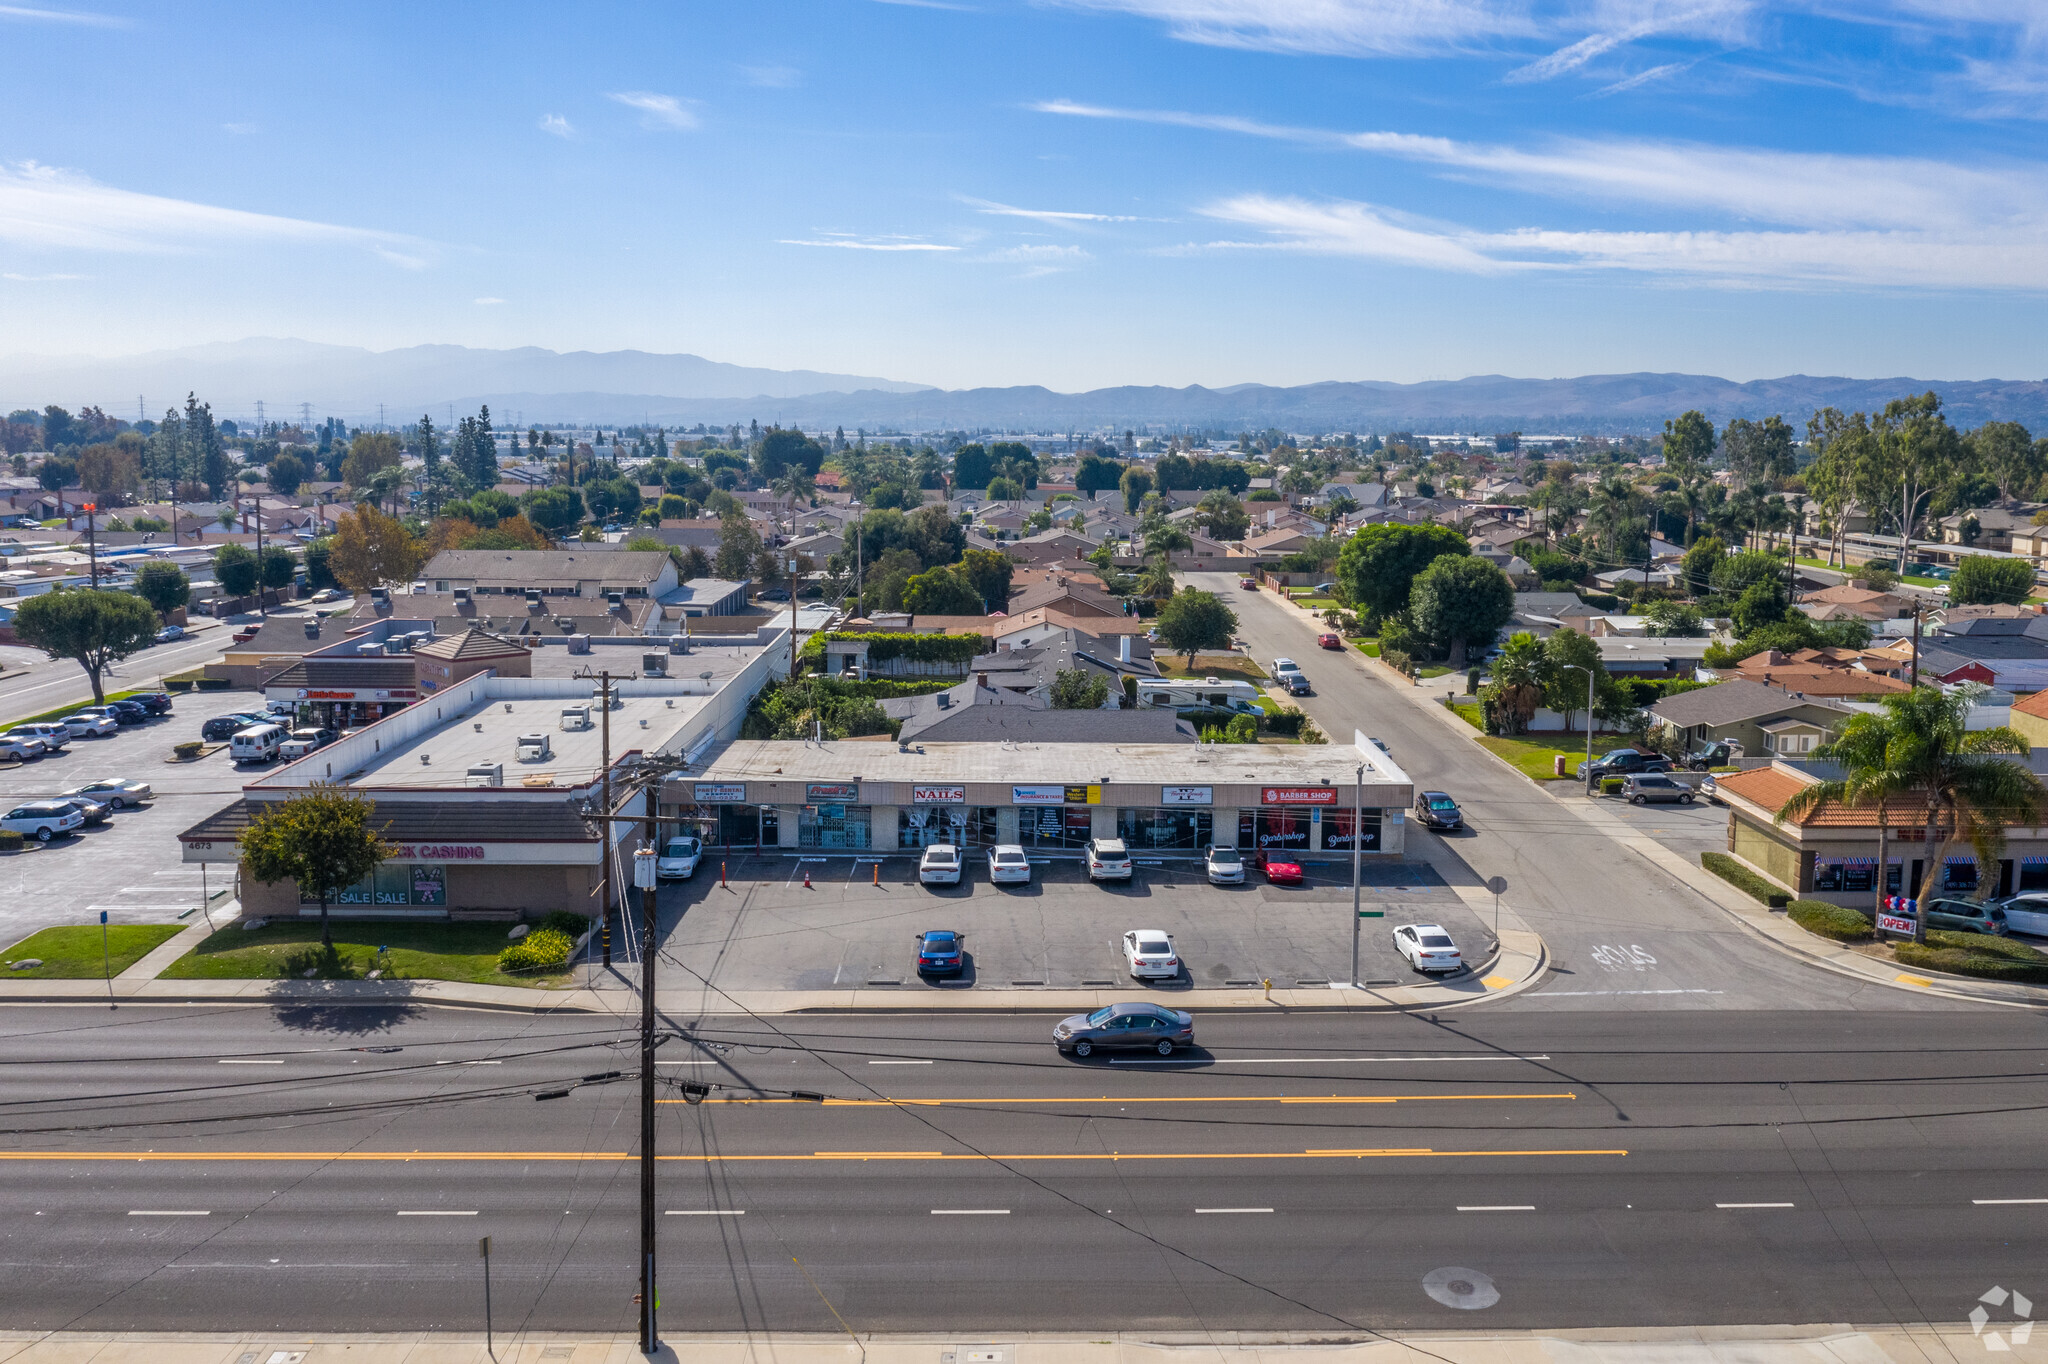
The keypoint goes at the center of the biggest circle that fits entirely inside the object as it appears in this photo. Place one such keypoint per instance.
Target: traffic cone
(807, 878)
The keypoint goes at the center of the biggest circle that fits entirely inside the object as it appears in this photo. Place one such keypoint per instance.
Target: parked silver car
(1226, 867)
(1647, 788)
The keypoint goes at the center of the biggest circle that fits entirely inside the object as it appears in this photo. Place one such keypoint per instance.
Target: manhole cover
(1465, 1289)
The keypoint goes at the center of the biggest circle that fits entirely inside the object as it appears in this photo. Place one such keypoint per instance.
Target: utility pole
(1357, 852)
(91, 545)
(1919, 608)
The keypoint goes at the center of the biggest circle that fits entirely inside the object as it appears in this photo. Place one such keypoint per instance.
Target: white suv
(43, 820)
(1108, 860)
(89, 724)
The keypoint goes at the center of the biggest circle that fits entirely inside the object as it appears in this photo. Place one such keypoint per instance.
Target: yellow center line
(410, 1156)
(1147, 1099)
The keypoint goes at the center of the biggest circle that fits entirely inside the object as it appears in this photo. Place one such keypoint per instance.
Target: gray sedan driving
(1125, 1027)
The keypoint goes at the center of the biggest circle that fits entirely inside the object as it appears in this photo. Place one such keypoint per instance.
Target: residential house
(1651, 658)
(1992, 527)
(1739, 710)
(1845, 600)
(1065, 592)
(1028, 662)
(1050, 547)
(1543, 614)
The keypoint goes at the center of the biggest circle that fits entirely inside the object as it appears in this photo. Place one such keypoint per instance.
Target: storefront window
(833, 826)
(1285, 828)
(393, 885)
(967, 826)
(1164, 829)
(739, 826)
(1337, 830)
(1960, 873)
(2033, 873)
(1055, 826)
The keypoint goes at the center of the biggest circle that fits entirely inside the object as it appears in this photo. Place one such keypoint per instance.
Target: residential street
(333, 1169)
(1622, 934)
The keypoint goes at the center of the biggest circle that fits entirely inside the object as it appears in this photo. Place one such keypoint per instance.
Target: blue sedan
(939, 953)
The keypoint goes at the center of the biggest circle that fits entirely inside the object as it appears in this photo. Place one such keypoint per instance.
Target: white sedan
(1007, 863)
(1149, 954)
(89, 724)
(940, 865)
(679, 858)
(116, 793)
(1428, 948)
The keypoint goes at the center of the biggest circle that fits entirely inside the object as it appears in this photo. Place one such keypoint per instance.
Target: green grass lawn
(419, 951)
(1429, 670)
(1369, 647)
(1913, 578)
(74, 953)
(1533, 755)
(1472, 713)
(1223, 667)
(66, 710)
(1318, 603)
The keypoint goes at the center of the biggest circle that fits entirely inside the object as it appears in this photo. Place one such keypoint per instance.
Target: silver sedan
(116, 793)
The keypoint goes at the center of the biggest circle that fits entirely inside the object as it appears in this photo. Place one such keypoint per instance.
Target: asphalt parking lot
(766, 930)
(130, 866)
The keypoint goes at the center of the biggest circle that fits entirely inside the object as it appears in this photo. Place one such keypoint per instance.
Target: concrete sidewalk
(1815, 1344)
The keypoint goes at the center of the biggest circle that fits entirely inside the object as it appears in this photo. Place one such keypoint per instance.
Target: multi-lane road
(209, 1169)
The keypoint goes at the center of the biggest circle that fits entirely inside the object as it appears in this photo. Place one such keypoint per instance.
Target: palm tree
(796, 484)
(1613, 510)
(1871, 749)
(1966, 779)
(1157, 580)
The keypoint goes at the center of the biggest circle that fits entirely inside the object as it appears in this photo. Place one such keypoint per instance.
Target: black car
(128, 712)
(1623, 761)
(1123, 1026)
(155, 702)
(939, 953)
(222, 727)
(1435, 810)
(1713, 755)
(91, 811)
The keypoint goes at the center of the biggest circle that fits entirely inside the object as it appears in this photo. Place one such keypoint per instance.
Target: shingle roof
(1726, 703)
(345, 672)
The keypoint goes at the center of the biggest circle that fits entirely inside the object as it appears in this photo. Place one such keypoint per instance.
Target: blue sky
(1073, 194)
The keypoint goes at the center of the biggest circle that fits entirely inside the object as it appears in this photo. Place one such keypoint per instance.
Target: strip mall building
(860, 796)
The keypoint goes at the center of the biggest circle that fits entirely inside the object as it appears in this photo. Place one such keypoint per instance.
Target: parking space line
(707, 1212)
(436, 1212)
(2004, 1202)
(1218, 1210)
(168, 1212)
(1753, 1205)
(970, 1212)
(239, 1061)
(1497, 1207)
(899, 1063)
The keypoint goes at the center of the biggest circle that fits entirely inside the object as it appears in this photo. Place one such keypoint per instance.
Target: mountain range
(532, 385)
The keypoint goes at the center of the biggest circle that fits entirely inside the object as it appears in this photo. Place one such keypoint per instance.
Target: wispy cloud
(1039, 259)
(658, 111)
(1045, 215)
(1350, 28)
(1628, 21)
(772, 77)
(488, 302)
(40, 279)
(848, 241)
(45, 207)
(556, 124)
(240, 129)
(34, 14)
(1641, 78)
(1993, 257)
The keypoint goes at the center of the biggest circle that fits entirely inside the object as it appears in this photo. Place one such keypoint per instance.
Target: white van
(256, 744)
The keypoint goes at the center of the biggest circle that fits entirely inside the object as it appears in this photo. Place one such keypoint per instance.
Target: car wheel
(1685, 799)
(43, 834)
(1637, 800)
(1083, 1047)
(1166, 1046)
(115, 804)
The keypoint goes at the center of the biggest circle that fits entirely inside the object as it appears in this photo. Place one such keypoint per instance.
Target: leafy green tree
(1764, 602)
(941, 591)
(2008, 455)
(1699, 564)
(1166, 538)
(1459, 601)
(1912, 451)
(989, 570)
(1193, 620)
(164, 586)
(285, 473)
(93, 627)
(1224, 516)
(739, 544)
(1156, 581)
(322, 841)
(1564, 688)
(972, 467)
(933, 536)
(1981, 578)
(235, 569)
(1078, 689)
(1096, 474)
(1379, 564)
(1002, 489)
(553, 511)
(1675, 620)
(782, 449)
(1134, 483)
(1758, 450)
(1734, 573)
(278, 567)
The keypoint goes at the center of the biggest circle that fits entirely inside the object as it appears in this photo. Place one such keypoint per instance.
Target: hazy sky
(1073, 194)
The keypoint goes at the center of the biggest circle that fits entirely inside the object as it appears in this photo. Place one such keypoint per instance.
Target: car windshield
(1436, 940)
(1442, 803)
(1225, 857)
(680, 847)
(1152, 947)
(1098, 1018)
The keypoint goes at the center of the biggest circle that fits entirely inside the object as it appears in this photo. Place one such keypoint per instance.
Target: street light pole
(1357, 852)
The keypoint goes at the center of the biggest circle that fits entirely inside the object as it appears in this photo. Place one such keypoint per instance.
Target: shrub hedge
(565, 922)
(544, 949)
(1744, 880)
(1829, 921)
(10, 841)
(1969, 954)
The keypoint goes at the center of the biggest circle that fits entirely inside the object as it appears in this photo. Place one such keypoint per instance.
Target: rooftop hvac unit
(381, 595)
(369, 650)
(313, 628)
(462, 596)
(579, 644)
(533, 748)
(576, 717)
(679, 644)
(485, 774)
(617, 599)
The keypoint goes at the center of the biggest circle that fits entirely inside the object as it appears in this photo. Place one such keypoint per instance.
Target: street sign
(1372, 914)
(1497, 884)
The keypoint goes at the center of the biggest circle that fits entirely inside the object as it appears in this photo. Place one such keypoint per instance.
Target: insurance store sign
(1038, 795)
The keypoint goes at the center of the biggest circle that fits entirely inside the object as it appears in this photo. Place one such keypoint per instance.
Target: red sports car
(1281, 869)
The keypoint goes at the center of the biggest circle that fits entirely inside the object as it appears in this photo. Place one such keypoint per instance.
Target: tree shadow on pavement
(316, 1006)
